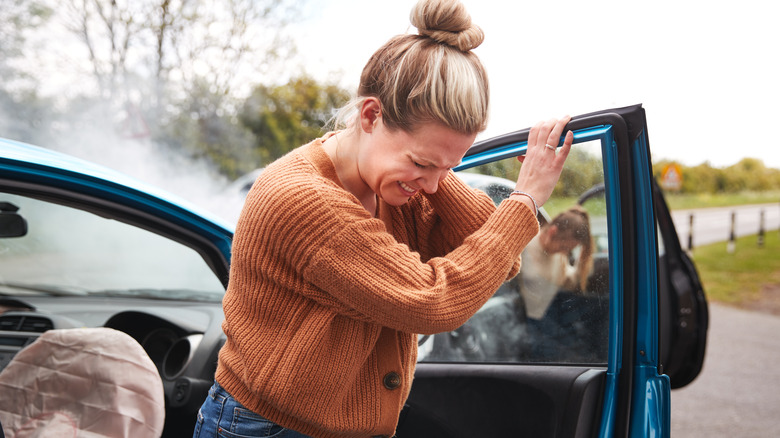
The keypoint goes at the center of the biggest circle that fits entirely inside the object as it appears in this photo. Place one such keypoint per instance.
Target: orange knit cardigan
(325, 301)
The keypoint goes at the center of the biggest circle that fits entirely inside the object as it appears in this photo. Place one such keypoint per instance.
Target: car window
(68, 251)
(556, 310)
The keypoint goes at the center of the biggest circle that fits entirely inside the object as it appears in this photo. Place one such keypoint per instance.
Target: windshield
(67, 251)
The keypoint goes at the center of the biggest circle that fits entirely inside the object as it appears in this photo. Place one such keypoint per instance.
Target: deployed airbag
(88, 382)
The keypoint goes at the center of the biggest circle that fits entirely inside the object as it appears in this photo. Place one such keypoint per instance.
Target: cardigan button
(392, 380)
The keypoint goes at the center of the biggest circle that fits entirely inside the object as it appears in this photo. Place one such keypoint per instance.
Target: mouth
(407, 190)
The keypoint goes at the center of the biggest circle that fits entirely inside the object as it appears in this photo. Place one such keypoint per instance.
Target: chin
(396, 202)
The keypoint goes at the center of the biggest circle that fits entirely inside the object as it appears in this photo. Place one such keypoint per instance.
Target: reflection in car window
(556, 310)
(67, 251)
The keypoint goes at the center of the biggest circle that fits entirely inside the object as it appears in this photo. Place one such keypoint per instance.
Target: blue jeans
(222, 416)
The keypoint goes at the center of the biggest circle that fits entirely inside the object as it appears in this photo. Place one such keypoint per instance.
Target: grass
(734, 278)
(737, 278)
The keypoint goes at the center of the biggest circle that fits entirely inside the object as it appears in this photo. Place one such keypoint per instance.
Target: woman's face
(396, 164)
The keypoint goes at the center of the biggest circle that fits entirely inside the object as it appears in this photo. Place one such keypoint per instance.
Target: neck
(342, 149)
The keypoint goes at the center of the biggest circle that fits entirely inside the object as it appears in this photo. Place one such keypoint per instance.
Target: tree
(171, 72)
(204, 132)
(752, 174)
(749, 174)
(582, 171)
(284, 117)
(162, 50)
(18, 20)
(702, 179)
(22, 111)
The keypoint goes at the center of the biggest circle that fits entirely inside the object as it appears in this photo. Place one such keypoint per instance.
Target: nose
(430, 182)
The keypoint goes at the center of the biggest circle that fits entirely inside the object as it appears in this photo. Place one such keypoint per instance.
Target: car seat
(86, 382)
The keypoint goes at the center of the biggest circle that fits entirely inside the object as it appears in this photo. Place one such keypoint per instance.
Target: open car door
(576, 344)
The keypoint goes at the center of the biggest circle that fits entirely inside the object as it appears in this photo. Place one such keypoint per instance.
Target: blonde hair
(429, 77)
(574, 224)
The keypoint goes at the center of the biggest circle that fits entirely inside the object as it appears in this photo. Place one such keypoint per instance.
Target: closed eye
(421, 166)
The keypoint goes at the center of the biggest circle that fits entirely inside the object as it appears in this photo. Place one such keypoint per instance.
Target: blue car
(593, 352)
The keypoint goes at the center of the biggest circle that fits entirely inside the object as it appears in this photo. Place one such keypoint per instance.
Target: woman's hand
(543, 161)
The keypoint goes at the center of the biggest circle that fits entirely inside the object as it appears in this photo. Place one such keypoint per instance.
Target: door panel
(498, 401)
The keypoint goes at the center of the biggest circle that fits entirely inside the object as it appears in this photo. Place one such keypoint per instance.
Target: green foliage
(286, 116)
(582, 171)
(749, 174)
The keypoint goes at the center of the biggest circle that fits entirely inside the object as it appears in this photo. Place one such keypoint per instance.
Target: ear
(370, 114)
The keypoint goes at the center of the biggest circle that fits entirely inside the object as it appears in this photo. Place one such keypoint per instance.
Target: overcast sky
(706, 71)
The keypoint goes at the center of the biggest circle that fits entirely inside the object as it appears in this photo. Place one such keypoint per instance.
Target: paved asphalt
(738, 392)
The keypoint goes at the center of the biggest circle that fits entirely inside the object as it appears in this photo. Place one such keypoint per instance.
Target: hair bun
(447, 22)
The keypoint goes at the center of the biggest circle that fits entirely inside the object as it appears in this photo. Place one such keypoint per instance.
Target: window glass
(68, 251)
(556, 310)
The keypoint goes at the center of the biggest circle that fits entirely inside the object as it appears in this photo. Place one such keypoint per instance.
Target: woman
(350, 246)
(546, 267)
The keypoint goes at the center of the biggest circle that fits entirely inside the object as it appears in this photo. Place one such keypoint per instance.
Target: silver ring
(552, 148)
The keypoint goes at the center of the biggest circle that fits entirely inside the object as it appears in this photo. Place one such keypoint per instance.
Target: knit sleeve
(445, 218)
(363, 267)
(452, 213)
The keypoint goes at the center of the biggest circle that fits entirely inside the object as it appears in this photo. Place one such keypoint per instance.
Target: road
(736, 395)
(714, 224)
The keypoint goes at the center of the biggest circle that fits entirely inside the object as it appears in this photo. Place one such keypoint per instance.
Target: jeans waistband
(217, 390)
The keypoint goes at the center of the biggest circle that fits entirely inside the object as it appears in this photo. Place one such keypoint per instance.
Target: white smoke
(195, 180)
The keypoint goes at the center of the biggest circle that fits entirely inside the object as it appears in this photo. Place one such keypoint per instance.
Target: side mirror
(12, 224)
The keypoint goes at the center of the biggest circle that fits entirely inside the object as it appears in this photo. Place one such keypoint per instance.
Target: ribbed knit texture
(324, 300)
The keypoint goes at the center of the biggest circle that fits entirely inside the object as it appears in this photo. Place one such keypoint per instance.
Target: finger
(568, 140)
(533, 135)
(545, 133)
(554, 137)
(566, 148)
(547, 128)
